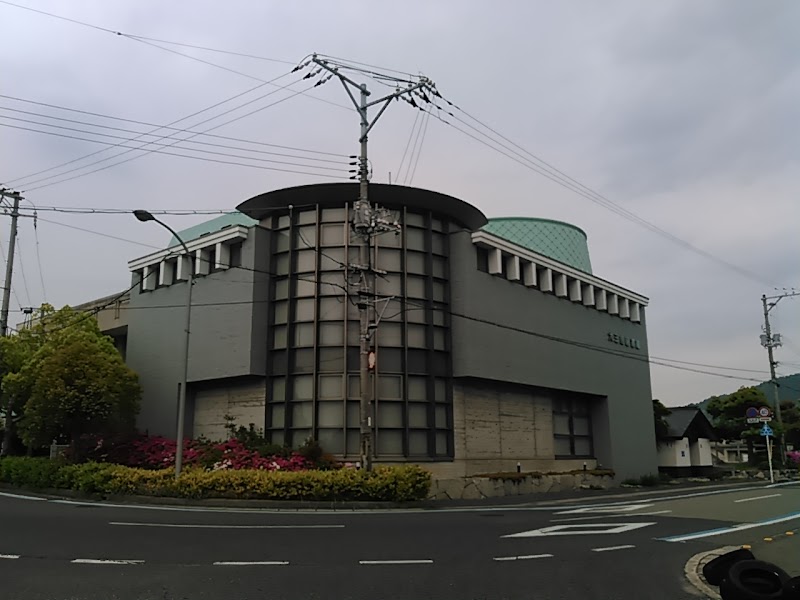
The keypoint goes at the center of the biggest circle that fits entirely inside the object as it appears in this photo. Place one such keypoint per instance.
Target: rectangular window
(482, 255)
(235, 259)
(572, 428)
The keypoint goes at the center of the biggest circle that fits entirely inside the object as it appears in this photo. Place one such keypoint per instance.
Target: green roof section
(555, 239)
(221, 222)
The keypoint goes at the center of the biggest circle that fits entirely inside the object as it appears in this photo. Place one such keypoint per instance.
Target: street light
(145, 216)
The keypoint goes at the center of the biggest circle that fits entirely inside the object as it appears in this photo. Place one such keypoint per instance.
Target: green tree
(660, 414)
(790, 413)
(730, 422)
(74, 382)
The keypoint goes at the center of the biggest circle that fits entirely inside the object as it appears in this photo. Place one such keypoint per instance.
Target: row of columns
(172, 268)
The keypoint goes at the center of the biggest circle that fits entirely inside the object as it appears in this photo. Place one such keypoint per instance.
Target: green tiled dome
(206, 227)
(560, 241)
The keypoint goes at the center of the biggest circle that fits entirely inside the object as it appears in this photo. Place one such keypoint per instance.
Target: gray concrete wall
(228, 333)
(243, 399)
(623, 423)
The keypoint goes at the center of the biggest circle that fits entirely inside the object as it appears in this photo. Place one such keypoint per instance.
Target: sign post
(766, 431)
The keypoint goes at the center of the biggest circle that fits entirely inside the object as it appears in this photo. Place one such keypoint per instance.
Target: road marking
(756, 498)
(605, 509)
(9, 556)
(528, 557)
(20, 496)
(610, 516)
(97, 561)
(610, 548)
(731, 529)
(424, 561)
(236, 563)
(201, 526)
(579, 529)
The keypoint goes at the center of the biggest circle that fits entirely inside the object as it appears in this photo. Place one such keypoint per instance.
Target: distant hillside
(788, 389)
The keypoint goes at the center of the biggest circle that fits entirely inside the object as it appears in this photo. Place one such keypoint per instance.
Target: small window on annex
(572, 427)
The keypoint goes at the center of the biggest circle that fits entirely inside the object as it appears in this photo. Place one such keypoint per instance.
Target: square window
(276, 437)
(330, 387)
(441, 416)
(562, 446)
(439, 338)
(307, 217)
(331, 309)
(415, 287)
(583, 446)
(390, 387)
(282, 264)
(415, 262)
(437, 243)
(331, 440)
(281, 289)
(332, 259)
(439, 267)
(390, 414)
(278, 390)
(279, 336)
(354, 388)
(281, 241)
(417, 361)
(277, 415)
(441, 443)
(304, 310)
(416, 313)
(437, 224)
(438, 317)
(330, 414)
(390, 443)
(302, 414)
(390, 334)
(353, 414)
(303, 361)
(581, 426)
(306, 261)
(305, 237)
(561, 424)
(280, 361)
(390, 240)
(417, 388)
(389, 260)
(390, 360)
(303, 334)
(331, 334)
(303, 387)
(306, 286)
(440, 390)
(415, 219)
(283, 221)
(418, 443)
(332, 234)
(416, 336)
(281, 312)
(332, 283)
(417, 415)
(353, 334)
(352, 439)
(331, 215)
(438, 291)
(388, 285)
(331, 360)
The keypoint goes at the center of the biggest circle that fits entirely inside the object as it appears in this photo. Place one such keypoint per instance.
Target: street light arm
(174, 233)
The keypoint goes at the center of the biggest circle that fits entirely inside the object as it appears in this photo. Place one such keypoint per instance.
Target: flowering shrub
(794, 456)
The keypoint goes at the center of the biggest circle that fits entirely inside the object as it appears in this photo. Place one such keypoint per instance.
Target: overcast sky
(685, 113)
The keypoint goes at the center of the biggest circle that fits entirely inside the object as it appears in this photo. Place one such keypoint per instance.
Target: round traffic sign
(764, 412)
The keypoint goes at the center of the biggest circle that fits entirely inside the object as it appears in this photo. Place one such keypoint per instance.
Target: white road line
(9, 556)
(528, 557)
(97, 561)
(193, 526)
(424, 561)
(610, 548)
(724, 530)
(20, 496)
(236, 563)
(756, 498)
(610, 516)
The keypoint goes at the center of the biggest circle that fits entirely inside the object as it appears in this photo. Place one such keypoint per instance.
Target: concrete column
(613, 304)
(512, 268)
(166, 272)
(588, 294)
(495, 261)
(184, 267)
(601, 299)
(624, 308)
(223, 256)
(636, 316)
(202, 262)
(529, 274)
(575, 290)
(149, 275)
(546, 280)
(561, 285)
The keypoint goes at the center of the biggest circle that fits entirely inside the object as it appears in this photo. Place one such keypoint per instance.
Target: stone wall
(477, 488)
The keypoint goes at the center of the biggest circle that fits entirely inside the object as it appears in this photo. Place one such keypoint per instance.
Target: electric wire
(424, 126)
(408, 144)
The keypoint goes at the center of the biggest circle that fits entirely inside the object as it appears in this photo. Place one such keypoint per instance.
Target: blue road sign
(766, 430)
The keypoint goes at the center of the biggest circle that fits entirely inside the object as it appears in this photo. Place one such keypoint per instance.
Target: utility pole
(16, 197)
(368, 221)
(770, 341)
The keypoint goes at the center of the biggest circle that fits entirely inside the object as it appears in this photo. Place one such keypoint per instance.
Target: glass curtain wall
(314, 343)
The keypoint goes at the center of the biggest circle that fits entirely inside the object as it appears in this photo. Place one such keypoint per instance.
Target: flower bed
(393, 484)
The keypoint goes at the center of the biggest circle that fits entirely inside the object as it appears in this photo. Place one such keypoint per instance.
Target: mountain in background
(788, 390)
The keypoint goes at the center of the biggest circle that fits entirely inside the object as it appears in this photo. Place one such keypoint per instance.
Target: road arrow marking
(756, 498)
(579, 529)
(605, 509)
(97, 561)
(528, 557)
(425, 561)
(610, 548)
(9, 556)
(235, 563)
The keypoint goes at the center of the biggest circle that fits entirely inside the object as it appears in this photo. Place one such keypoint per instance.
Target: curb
(694, 570)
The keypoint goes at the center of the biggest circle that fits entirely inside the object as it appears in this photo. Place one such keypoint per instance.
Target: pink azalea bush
(794, 456)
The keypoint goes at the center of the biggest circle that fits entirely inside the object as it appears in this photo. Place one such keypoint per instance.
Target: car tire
(716, 570)
(753, 580)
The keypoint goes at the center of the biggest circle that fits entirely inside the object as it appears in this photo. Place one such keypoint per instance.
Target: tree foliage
(660, 414)
(728, 413)
(65, 379)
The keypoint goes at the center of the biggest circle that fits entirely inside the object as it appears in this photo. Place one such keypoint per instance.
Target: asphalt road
(622, 548)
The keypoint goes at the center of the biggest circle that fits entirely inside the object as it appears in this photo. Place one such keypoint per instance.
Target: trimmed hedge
(391, 484)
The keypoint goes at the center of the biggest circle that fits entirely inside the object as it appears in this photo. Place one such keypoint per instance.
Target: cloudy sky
(685, 113)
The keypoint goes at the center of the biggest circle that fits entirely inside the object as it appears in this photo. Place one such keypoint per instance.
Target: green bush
(649, 480)
(391, 484)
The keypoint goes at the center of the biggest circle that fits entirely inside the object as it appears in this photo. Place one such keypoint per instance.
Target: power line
(207, 49)
(341, 157)
(38, 253)
(530, 160)
(22, 273)
(424, 127)
(158, 143)
(408, 143)
(225, 162)
(127, 211)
